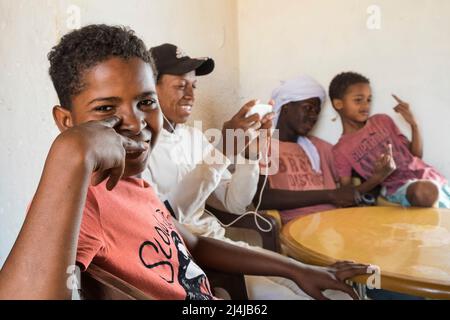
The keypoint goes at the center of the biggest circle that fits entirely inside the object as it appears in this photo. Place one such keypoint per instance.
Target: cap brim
(202, 67)
(205, 67)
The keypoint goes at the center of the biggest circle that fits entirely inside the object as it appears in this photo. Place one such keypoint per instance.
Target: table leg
(361, 290)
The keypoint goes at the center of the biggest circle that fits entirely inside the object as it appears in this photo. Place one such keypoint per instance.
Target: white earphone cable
(254, 212)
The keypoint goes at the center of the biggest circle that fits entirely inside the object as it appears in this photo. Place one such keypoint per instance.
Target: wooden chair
(98, 284)
(270, 239)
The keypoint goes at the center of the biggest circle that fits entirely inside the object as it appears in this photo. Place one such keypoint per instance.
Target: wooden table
(411, 246)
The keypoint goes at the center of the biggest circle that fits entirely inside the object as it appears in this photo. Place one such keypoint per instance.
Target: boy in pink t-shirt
(375, 148)
(130, 233)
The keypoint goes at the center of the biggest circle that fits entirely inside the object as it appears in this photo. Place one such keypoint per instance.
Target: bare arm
(201, 248)
(313, 280)
(367, 186)
(286, 199)
(383, 168)
(416, 145)
(46, 245)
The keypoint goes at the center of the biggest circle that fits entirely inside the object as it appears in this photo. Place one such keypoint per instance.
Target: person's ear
(63, 118)
(338, 104)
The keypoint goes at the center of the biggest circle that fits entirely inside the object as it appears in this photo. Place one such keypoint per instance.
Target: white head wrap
(299, 89)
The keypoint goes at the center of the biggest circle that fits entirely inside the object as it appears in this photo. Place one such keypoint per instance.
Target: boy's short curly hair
(84, 48)
(342, 82)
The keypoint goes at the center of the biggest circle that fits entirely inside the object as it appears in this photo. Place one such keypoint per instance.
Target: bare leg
(423, 194)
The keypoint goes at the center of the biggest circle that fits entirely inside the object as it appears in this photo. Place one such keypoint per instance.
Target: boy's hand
(248, 125)
(403, 108)
(102, 147)
(314, 280)
(385, 164)
(343, 196)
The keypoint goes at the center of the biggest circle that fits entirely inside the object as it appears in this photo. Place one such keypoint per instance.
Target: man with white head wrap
(299, 89)
(306, 182)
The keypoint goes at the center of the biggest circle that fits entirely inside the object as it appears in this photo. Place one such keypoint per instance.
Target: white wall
(255, 44)
(30, 28)
(409, 56)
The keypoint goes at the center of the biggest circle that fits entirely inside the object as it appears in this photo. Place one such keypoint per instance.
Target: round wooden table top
(411, 246)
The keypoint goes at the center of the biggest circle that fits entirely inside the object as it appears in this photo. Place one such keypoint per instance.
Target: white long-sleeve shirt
(179, 174)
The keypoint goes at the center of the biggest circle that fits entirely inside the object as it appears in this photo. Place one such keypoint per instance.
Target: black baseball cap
(169, 59)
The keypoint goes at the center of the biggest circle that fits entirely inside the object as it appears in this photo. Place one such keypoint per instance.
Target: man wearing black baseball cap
(170, 59)
(180, 177)
(182, 147)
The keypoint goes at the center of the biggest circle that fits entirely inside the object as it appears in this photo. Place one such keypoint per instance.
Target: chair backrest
(98, 284)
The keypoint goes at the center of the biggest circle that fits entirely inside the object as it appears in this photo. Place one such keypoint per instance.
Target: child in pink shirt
(375, 148)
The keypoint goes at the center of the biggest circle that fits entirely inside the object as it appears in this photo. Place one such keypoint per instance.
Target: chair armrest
(98, 284)
(276, 215)
(270, 239)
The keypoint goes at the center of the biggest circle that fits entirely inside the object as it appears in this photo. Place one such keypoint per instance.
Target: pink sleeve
(91, 239)
(343, 168)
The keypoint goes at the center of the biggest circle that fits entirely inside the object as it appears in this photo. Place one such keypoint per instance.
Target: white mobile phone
(261, 109)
